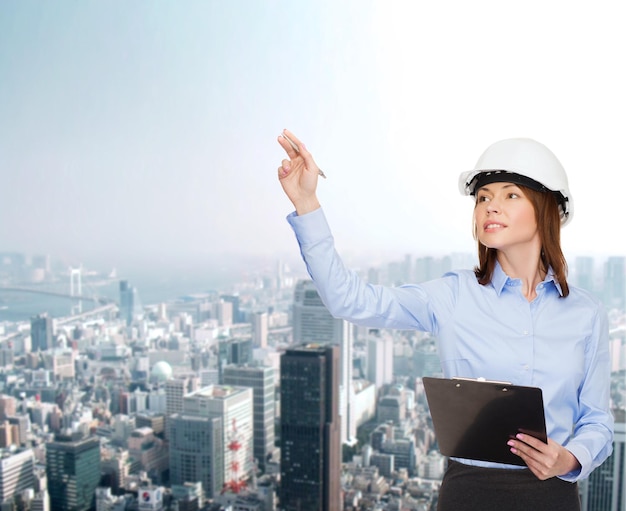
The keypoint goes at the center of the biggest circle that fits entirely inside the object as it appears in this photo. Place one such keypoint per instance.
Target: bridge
(97, 299)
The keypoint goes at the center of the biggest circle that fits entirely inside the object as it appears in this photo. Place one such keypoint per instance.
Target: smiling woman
(514, 318)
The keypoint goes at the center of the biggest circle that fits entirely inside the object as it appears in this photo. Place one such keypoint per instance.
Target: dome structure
(161, 371)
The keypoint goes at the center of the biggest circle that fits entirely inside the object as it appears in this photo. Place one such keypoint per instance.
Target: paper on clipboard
(474, 419)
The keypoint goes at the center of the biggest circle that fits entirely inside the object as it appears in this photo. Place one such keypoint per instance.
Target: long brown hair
(549, 226)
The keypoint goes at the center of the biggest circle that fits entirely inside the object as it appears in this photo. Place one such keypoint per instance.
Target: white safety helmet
(522, 161)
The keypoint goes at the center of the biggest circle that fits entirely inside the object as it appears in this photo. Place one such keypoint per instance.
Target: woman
(514, 318)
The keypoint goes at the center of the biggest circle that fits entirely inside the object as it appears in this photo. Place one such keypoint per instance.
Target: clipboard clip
(481, 379)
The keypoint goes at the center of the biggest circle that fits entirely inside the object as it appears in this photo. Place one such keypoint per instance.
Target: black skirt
(468, 488)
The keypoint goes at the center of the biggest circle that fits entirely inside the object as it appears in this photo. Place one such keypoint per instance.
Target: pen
(295, 148)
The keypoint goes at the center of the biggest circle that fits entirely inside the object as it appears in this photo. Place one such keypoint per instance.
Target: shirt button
(525, 367)
(525, 332)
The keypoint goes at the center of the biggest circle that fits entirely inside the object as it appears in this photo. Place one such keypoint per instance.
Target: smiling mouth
(493, 226)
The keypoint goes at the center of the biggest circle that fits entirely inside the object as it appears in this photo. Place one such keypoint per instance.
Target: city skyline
(146, 133)
(157, 383)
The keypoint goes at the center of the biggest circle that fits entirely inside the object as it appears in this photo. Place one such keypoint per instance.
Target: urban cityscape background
(245, 396)
(162, 357)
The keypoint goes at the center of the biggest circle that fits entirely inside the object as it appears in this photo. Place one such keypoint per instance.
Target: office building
(41, 332)
(233, 351)
(130, 307)
(203, 436)
(312, 323)
(380, 358)
(237, 316)
(615, 282)
(175, 390)
(583, 274)
(8, 406)
(73, 472)
(196, 451)
(310, 433)
(262, 382)
(16, 472)
(605, 489)
(260, 329)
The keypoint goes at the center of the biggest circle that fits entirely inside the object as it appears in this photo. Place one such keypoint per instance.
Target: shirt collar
(499, 279)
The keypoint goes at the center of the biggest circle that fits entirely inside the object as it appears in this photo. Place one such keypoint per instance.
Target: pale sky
(146, 130)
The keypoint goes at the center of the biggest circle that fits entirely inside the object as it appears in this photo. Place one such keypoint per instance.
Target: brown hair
(549, 226)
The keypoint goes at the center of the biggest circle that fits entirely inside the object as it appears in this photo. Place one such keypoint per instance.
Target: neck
(526, 267)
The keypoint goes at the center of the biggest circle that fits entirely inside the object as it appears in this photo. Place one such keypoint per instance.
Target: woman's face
(505, 217)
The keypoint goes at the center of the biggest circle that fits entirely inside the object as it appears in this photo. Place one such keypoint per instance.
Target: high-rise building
(312, 323)
(16, 472)
(605, 489)
(260, 329)
(310, 433)
(73, 472)
(583, 275)
(41, 331)
(615, 282)
(223, 312)
(211, 438)
(175, 390)
(233, 351)
(8, 406)
(380, 359)
(261, 381)
(196, 451)
(237, 316)
(129, 302)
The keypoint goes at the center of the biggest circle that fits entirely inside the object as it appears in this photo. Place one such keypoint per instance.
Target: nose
(493, 206)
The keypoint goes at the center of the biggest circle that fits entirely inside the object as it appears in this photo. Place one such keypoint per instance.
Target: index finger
(532, 441)
(284, 142)
(300, 149)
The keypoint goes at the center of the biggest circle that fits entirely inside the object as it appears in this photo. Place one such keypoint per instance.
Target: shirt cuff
(309, 228)
(583, 458)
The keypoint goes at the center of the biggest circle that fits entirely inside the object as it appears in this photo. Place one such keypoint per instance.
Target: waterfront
(16, 306)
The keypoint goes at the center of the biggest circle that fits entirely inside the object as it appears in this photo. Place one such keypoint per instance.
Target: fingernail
(510, 442)
(519, 436)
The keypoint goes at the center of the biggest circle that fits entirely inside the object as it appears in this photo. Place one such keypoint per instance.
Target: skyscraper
(129, 302)
(233, 351)
(584, 273)
(261, 381)
(310, 435)
(260, 329)
(312, 323)
(41, 332)
(380, 359)
(615, 282)
(605, 490)
(73, 471)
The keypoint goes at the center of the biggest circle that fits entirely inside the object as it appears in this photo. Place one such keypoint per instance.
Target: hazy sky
(146, 130)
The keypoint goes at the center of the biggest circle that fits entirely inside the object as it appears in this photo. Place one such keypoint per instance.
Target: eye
(482, 198)
(514, 195)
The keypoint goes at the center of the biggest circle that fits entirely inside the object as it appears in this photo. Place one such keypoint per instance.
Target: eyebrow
(506, 185)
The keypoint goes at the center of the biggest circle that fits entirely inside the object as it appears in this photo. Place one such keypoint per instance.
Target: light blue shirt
(557, 344)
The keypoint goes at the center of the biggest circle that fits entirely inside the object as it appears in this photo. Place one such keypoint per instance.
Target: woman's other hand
(298, 174)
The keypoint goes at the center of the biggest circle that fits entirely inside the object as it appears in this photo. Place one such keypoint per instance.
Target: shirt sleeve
(346, 295)
(592, 439)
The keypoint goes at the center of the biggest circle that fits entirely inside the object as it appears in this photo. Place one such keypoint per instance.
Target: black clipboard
(474, 419)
